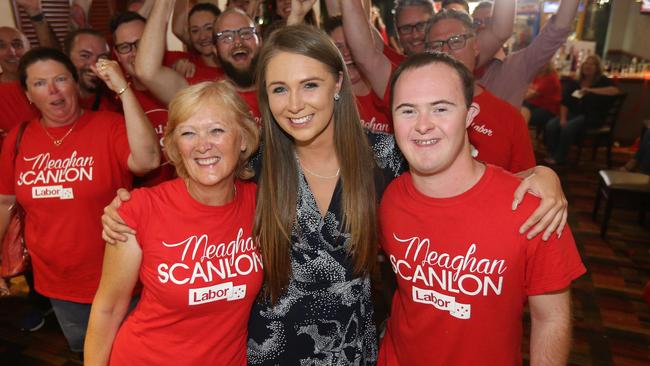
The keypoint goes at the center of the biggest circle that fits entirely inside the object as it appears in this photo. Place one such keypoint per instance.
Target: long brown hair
(599, 68)
(278, 183)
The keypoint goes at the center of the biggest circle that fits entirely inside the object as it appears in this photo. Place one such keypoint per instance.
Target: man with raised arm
(237, 45)
(411, 16)
(508, 77)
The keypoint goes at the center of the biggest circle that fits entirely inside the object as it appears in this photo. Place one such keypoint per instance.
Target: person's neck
(319, 152)
(72, 118)
(6, 77)
(240, 88)
(217, 195)
(463, 173)
(209, 60)
(361, 88)
(85, 93)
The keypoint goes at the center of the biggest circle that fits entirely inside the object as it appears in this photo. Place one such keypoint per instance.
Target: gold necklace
(318, 175)
(58, 142)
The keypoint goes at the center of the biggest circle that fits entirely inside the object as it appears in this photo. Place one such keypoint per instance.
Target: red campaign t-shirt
(464, 272)
(550, 92)
(250, 97)
(64, 190)
(156, 112)
(107, 102)
(202, 71)
(394, 57)
(500, 135)
(14, 106)
(375, 115)
(201, 271)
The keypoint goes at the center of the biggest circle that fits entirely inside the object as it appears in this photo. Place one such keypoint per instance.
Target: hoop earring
(337, 97)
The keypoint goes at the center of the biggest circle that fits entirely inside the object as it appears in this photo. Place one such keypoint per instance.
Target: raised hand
(299, 9)
(32, 7)
(111, 73)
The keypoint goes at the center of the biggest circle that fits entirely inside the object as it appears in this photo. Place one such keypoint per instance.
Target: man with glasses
(498, 133)
(236, 45)
(411, 17)
(127, 29)
(508, 77)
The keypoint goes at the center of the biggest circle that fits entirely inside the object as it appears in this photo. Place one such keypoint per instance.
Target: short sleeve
(552, 265)
(136, 211)
(522, 156)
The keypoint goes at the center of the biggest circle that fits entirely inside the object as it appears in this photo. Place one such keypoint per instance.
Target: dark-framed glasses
(228, 36)
(126, 47)
(409, 28)
(454, 43)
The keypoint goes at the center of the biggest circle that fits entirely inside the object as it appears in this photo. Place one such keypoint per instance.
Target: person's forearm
(374, 65)
(145, 151)
(550, 334)
(120, 270)
(564, 112)
(332, 7)
(5, 203)
(44, 33)
(566, 13)
(549, 342)
(607, 90)
(162, 81)
(145, 9)
(151, 48)
(493, 37)
(104, 322)
(179, 22)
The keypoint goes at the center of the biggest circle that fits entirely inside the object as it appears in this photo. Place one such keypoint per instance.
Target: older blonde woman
(193, 251)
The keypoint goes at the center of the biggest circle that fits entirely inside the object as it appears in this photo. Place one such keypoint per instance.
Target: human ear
(472, 112)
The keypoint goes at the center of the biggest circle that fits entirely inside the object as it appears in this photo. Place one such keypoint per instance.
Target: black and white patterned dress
(325, 317)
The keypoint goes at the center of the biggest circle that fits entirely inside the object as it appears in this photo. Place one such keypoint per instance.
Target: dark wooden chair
(617, 187)
(604, 134)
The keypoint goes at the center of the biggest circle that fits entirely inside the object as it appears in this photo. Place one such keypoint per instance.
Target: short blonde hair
(219, 94)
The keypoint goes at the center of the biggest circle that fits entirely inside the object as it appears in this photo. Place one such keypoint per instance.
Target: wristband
(121, 91)
(37, 18)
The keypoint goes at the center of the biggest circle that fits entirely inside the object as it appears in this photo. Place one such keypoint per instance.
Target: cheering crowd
(267, 174)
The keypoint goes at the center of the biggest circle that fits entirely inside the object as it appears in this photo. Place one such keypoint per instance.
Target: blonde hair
(220, 94)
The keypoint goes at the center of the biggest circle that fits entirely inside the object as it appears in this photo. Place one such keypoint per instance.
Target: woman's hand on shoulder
(114, 229)
(551, 214)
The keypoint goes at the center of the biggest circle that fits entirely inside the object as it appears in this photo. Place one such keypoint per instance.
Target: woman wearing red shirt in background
(70, 162)
(542, 101)
(194, 250)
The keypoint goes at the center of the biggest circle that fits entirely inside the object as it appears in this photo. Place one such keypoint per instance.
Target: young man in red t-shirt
(464, 273)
